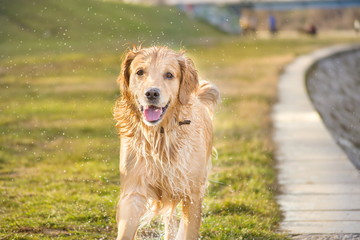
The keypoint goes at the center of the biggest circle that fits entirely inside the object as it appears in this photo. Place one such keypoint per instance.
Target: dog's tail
(209, 95)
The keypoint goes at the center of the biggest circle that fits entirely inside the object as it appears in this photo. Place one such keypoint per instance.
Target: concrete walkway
(320, 188)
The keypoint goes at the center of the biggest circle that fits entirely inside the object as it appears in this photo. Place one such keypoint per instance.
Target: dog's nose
(152, 94)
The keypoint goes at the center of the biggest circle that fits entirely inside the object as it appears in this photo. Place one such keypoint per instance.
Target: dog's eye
(140, 72)
(169, 75)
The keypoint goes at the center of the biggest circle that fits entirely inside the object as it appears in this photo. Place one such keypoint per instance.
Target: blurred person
(309, 30)
(357, 25)
(312, 30)
(244, 24)
(248, 25)
(272, 25)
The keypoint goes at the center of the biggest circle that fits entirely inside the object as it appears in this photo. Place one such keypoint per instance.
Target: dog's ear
(189, 81)
(124, 77)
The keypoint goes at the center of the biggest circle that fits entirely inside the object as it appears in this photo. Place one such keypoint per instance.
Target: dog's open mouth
(153, 114)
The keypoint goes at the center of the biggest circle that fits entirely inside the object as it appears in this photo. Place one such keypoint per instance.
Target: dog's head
(158, 79)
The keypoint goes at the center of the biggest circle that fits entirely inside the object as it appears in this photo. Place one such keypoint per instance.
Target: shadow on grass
(230, 208)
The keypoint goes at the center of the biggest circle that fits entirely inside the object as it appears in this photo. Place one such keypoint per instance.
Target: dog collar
(185, 122)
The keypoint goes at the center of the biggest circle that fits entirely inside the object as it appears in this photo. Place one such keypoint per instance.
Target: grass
(41, 27)
(58, 145)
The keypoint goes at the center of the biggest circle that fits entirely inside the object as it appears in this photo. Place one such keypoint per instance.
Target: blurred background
(59, 60)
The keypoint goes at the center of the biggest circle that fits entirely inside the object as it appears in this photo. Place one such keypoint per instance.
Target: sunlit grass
(59, 149)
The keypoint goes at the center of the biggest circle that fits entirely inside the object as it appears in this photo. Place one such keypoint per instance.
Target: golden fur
(166, 162)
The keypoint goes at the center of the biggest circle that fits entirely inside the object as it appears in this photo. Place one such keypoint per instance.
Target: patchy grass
(59, 149)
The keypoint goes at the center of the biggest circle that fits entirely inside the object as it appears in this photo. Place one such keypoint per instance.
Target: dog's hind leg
(130, 209)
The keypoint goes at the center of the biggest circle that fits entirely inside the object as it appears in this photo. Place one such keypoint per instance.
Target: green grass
(40, 27)
(59, 174)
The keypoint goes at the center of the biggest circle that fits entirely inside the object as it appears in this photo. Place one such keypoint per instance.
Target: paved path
(320, 188)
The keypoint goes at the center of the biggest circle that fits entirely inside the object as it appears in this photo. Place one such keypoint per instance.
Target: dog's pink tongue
(152, 113)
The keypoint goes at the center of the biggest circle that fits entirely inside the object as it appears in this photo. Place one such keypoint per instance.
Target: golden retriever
(164, 120)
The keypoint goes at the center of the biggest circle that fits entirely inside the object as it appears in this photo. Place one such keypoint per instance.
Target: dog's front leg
(171, 225)
(191, 219)
(130, 209)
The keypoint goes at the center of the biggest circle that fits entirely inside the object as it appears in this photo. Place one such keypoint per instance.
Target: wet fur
(164, 164)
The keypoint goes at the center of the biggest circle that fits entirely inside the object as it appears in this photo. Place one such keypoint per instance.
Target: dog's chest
(165, 165)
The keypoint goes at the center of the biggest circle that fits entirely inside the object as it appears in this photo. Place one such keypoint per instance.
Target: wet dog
(164, 118)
